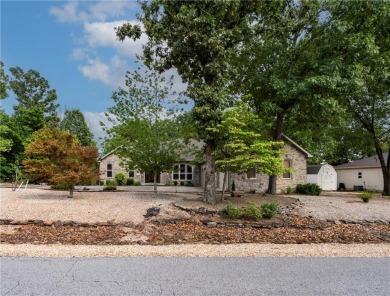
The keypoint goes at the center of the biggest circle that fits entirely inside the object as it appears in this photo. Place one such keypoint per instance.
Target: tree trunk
(209, 186)
(155, 182)
(224, 184)
(277, 137)
(385, 165)
(71, 192)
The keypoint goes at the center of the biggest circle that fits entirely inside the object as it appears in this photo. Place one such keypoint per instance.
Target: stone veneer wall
(299, 165)
(260, 183)
(243, 183)
(116, 168)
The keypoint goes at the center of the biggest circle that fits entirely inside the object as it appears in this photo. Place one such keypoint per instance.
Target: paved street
(195, 276)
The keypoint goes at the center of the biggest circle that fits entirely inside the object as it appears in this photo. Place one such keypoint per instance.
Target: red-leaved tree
(56, 157)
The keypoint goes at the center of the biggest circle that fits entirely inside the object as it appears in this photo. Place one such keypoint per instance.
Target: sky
(72, 44)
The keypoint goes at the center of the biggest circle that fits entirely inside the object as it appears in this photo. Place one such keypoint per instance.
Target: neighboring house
(361, 174)
(294, 156)
(324, 175)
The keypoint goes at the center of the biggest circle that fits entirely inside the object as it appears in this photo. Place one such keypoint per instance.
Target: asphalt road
(195, 276)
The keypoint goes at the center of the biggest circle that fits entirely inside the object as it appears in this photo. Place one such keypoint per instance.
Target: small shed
(324, 175)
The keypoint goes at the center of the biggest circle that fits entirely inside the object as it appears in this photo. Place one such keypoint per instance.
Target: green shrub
(60, 187)
(232, 211)
(130, 182)
(110, 182)
(189, 183)
(366, 196)
(309, 189)
(269, 209)
(137, 183)
(109, 187)
(175, 183)
(252, 212)
(181, 183)
(233, 186)
(120, 179)
(289, 190)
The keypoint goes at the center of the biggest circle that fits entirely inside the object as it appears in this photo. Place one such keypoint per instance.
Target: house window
(109, 170)
(287, 164)
(360, 175)
(182, 172)
(131, 174)
(251, 173)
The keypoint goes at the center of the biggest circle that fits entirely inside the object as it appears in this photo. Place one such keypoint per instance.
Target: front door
(149, 177)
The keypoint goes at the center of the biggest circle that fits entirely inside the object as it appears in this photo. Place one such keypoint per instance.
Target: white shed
(324, 175)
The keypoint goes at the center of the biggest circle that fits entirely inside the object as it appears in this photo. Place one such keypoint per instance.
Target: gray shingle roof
(372, 162)
(314, 169)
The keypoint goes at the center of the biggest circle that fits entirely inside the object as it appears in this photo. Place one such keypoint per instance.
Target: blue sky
(73, 45)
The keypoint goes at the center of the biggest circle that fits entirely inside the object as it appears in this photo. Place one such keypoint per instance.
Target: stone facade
(292, 154)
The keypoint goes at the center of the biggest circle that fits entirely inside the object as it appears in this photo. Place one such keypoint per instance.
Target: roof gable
(287, 139)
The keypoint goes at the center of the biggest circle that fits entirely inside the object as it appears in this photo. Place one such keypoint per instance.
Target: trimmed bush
(232, 211)
(130, 182)
(233, 186)
(175, 183)
(309, 189)
(109, 187)
(252, 212)
(289, 190)
(366, 196)
(60, 187)
(137, 183)
(189, 183)
(120, 179)
(269, 209)
(181, 183)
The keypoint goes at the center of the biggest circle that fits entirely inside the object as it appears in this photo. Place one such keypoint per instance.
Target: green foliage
(252, 212)
(366, 196)
(242, 147)
(110, 182)
(33, 91)
(189, 183)
(308, 189)
(137, 183)
(289, 190)
(233, 186)
(130, 181)
(233, 212)
(74, 122)
(269, 209)
(144, 125)
(120, 179)
(175, 183)
(60, 187)
(4, 82)
(109, 187)
(182, 183)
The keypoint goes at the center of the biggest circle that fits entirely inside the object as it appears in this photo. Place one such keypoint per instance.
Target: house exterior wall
(299, 166)
(372, 178)
(116, 167)
(260, 182)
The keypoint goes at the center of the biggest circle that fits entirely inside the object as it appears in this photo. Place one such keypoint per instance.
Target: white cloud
(102, 34)
(91, 11)
(93, 120)
(112, 74)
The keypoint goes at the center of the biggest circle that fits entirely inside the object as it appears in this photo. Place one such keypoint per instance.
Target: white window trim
(186, 172)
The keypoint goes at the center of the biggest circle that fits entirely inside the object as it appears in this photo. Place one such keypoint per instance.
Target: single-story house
(361, 174)
(324, 175)
(185, 170)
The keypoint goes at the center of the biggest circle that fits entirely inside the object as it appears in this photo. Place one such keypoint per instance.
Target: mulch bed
(298, 230)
